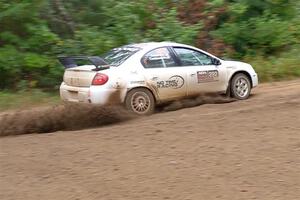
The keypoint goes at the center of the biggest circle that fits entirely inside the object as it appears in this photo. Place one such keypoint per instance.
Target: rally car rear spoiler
(70, 61)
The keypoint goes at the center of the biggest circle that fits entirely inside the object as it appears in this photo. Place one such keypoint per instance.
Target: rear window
(117, 56)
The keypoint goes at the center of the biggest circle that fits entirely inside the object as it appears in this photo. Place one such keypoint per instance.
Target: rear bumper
(74, 94)
(92, 94)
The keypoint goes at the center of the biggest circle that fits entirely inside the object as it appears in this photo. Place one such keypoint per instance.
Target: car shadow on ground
(195, 101)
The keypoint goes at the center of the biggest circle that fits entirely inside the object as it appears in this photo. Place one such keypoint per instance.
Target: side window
(189, 57)
(158, 58)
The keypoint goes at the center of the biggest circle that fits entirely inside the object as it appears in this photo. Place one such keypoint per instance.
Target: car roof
(147, 45)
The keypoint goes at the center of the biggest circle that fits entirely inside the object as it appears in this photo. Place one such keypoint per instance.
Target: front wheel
(240, 86)
(140, 101)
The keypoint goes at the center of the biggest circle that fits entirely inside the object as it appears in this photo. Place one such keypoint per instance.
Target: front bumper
(254, 78)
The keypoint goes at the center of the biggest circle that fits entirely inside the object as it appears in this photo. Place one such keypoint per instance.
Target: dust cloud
(61, 117)
(81, 116)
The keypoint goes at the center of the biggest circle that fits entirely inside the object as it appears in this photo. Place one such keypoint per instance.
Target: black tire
(140, 101)
(240, 86)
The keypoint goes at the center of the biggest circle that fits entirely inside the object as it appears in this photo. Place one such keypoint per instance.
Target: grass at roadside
(23, 99)
(285, 66)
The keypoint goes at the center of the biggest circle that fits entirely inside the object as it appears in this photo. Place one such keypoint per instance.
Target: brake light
(100, 79)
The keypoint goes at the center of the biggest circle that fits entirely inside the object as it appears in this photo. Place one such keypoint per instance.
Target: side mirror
(216, 61)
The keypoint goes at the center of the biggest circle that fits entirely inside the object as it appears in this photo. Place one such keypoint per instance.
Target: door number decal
(207, 76)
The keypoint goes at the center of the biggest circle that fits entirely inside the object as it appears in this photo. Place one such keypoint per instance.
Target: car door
(203, 76)
(162, 75)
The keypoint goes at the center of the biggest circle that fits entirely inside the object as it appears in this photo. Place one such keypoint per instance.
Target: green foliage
(260, 26)
(169, 28)
(280, 67)
(34, 32)
(26, 44)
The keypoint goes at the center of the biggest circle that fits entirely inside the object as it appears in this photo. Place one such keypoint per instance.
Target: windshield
(117, 56)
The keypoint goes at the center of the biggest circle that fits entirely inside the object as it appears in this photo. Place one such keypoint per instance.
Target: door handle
(154, 78)
(193, 74)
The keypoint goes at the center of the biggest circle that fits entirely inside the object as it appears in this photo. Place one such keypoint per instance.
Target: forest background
(265, 33)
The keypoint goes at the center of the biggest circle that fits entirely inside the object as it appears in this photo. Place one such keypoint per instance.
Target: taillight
(100, 79)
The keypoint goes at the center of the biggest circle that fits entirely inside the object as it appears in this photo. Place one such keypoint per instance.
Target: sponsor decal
(137, 82)
(207, 76)
(159, 54)
(174, 82)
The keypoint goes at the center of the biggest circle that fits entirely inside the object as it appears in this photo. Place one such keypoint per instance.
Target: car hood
(230, 63)
(237, 65)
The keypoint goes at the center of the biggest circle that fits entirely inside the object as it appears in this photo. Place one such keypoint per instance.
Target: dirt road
(240, 150)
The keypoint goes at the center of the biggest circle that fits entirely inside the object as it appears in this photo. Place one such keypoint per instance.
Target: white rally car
(145, 74)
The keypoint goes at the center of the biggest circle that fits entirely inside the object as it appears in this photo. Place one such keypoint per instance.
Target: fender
(234, 67)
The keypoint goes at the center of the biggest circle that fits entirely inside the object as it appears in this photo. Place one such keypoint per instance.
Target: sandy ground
(239, 150)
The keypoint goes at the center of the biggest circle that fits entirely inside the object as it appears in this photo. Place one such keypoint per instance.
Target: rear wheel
(140, 101)
(240, 86)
